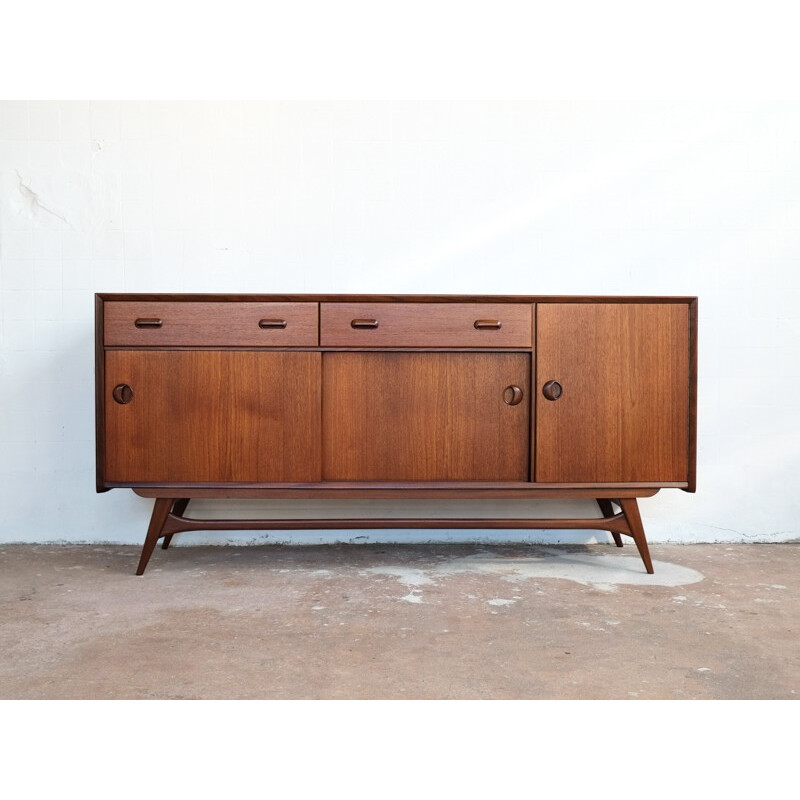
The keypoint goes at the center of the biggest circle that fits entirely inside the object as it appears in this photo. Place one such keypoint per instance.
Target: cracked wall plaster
(33, 204)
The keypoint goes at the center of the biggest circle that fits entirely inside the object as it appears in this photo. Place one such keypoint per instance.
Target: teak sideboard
(385, 396)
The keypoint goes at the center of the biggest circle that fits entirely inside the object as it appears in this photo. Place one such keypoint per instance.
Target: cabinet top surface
(394, 298)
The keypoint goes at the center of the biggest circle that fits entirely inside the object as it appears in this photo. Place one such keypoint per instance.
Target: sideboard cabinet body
(385, 396)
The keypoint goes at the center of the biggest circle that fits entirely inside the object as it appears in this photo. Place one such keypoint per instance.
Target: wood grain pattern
(623, 414)
(424, 417)
(425, 324)
(209, 324)
(221, 416)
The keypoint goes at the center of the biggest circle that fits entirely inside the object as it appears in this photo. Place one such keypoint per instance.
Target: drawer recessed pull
(488, 324)
(272, 323)
(148, 323)
(364, 323)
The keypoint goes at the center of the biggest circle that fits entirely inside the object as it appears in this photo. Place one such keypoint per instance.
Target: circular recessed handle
(552, 390)
(512, 395)
(123, 394)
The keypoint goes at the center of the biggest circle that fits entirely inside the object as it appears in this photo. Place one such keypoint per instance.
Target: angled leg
(630, 508)
(607, 510)
(178, 510)
(161, 511)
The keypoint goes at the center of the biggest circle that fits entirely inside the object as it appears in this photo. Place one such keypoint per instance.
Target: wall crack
(34, 202)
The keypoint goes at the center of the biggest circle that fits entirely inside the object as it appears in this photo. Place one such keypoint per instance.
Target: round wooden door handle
(123, 394)
(552, 390)
(512, 395)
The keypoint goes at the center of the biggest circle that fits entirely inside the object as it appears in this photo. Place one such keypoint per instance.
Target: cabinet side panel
(99, 395)
(212, 416)
(624, 412)
(532, 396)
(692, 396)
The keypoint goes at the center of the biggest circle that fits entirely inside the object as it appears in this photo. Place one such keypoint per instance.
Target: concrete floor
(413, 621)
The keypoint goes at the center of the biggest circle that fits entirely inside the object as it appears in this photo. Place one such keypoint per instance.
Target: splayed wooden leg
(630, 508)
(161, 511)
(178, 510)
(607, 510)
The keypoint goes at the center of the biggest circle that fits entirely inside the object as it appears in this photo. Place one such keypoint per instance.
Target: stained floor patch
(597, 570)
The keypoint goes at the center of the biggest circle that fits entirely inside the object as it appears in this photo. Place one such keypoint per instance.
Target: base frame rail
(168, 519)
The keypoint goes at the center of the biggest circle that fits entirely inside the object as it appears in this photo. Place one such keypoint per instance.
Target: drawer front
(234, 324)
(425, 325)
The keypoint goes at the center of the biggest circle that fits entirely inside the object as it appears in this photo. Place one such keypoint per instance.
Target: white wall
(543, 198)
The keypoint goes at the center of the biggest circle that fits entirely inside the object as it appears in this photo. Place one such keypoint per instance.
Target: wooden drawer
(234, 324)
(425, 325)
